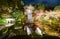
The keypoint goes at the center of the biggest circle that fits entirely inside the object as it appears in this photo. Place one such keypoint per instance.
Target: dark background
(51, 3)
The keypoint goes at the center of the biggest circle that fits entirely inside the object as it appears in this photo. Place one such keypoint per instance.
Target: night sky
(46, 2)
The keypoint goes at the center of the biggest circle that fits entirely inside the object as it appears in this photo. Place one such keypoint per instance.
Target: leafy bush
(51, 23)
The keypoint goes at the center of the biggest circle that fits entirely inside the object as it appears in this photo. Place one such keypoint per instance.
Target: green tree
(57, 7)
(40, 6)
